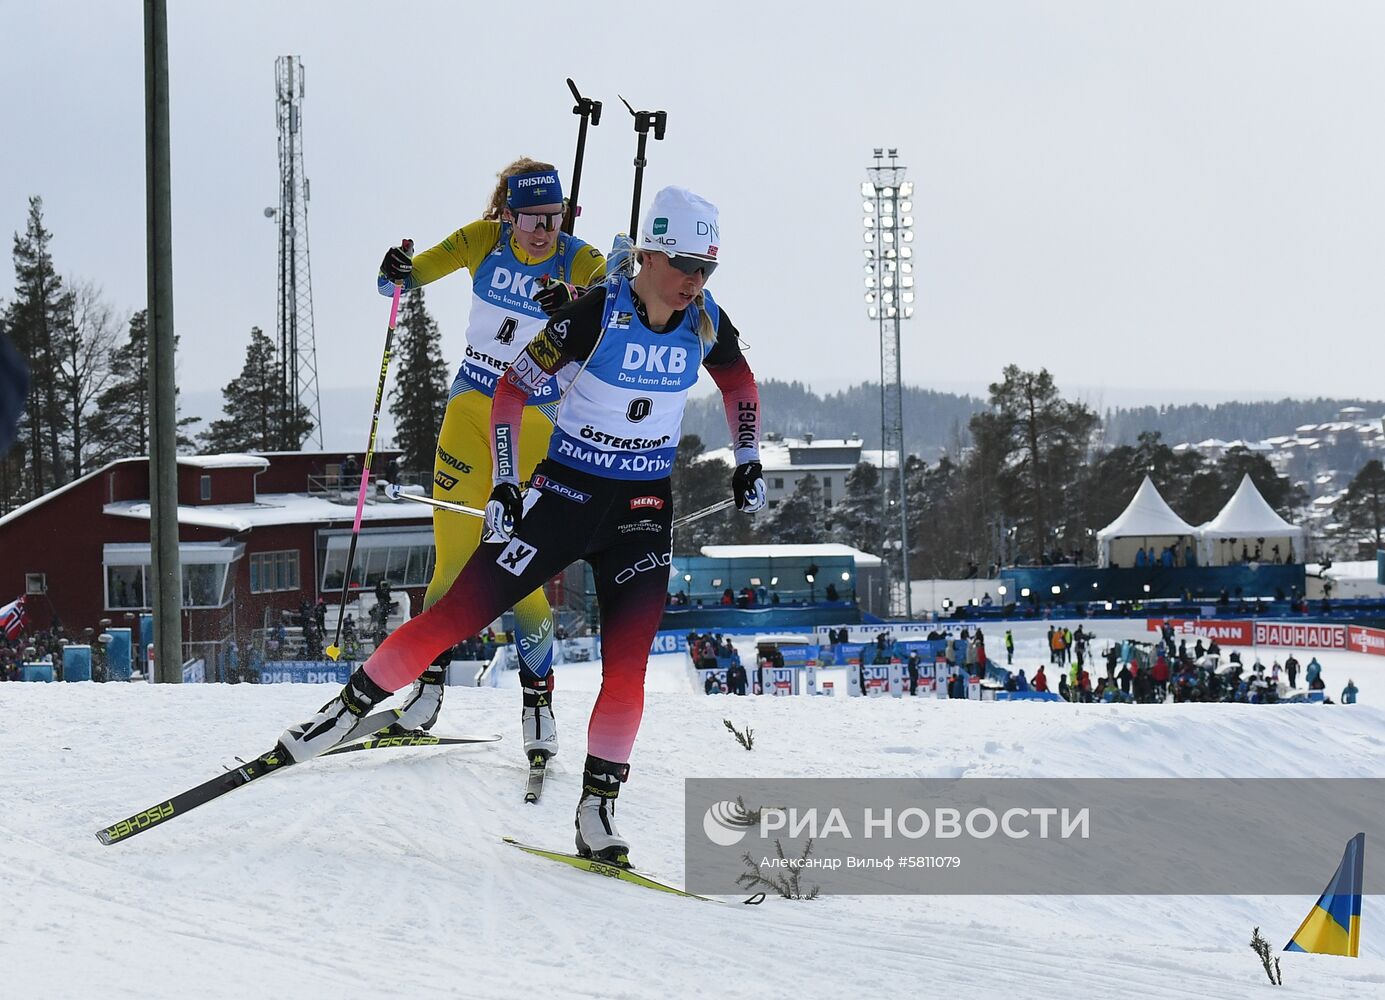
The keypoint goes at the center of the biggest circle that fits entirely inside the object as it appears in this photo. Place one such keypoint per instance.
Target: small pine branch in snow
(752, 816)
(1262, 948)
(745, 739)
(785, 881)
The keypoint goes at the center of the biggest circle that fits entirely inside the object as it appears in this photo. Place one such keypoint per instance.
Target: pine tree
(418, 400)
(1361, 511)
(798, 518)
(37, 319)
(254, 412)
(857, 517)
(697, 483)
(942, 540)
(1042, 443)
(120, 426)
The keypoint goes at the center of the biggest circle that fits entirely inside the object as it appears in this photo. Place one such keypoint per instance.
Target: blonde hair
(524, 165)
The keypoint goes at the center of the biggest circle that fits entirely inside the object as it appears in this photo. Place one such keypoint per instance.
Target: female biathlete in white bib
(602, 494)
(514, 244)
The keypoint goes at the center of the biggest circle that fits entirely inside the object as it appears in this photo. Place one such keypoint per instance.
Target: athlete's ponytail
(706, 332)
(524, 165)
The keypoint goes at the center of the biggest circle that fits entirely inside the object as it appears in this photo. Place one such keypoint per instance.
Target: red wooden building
(258, 534)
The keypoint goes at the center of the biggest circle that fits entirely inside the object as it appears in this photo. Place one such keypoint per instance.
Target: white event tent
(1248, 524)
(1148, 521)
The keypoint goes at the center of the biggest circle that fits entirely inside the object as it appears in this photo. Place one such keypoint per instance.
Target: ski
(416, 738)
(538, 769)
(606, 868)
(267, 763)
(183, 802)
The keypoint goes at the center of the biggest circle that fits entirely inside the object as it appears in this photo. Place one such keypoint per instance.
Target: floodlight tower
(297, 344)
(889, 231)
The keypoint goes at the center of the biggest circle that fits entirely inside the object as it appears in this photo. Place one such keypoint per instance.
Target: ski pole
(334, 650)
(698, 515)
(644, 121)
(394, 492)
(589, 110)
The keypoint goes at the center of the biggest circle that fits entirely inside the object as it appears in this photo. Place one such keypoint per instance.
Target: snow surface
(382, 874)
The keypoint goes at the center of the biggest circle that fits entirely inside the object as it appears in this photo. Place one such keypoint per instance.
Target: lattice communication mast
(297, 344)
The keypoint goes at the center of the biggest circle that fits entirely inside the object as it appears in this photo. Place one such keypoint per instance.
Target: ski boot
(536, 721)
(424, 702)
(334, 720)
(597, 836)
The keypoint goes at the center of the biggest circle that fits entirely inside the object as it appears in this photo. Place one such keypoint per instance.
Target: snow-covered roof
(817, 442)
(203, 461)
(226, 461)
(808, 551)
(775, 457)
(1146, 516)
(274, 509)
(1361, 569)
(1247, 515)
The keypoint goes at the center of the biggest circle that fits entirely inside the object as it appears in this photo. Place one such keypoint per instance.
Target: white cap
(680, 222)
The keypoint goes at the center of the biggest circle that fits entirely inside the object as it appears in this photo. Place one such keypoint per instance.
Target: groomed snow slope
(383, 874)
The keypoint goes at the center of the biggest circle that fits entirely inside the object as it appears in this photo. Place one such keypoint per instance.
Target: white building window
(204, 565)
(272, 571)
(404, 558)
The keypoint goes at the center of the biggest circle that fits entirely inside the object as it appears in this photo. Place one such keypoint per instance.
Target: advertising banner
(305, 672)
(1227, 633)
(1308, 636)
(1365, 640)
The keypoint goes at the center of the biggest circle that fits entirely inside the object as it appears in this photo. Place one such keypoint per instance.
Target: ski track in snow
(383, 873)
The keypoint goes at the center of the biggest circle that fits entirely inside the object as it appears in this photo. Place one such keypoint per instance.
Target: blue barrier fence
(76, 663)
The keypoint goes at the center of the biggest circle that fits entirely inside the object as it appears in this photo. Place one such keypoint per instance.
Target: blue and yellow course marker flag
(1333, 926)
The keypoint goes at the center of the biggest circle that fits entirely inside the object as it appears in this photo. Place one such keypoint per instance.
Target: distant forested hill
(1228, 421)
(932, 420)
(937, 421)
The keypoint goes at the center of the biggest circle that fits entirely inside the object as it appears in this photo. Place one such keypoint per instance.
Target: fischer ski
(416, 738)
(229, 781)
(538, 769)
(267, 763)
(606, 868)
(630, 875)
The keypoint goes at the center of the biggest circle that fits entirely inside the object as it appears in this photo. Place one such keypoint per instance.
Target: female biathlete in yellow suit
(514, 245)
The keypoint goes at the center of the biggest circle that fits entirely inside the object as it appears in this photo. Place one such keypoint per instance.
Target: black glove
(504, 509)
(397, 266)
(555, 294)
(748, 487)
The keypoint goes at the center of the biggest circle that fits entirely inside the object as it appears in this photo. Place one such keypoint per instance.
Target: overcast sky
(1155, 200)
